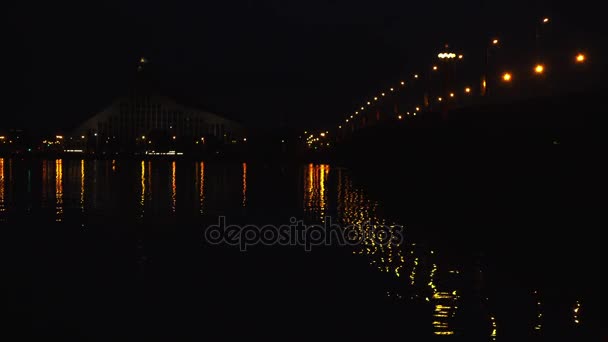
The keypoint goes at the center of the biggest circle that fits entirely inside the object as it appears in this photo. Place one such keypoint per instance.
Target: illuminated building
(132, 117)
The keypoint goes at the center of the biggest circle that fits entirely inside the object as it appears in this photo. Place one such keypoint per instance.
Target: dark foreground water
(102, 250)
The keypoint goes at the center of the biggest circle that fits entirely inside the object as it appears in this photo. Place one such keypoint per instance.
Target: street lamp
(467, 90)
(539, 69)
(448, 55)
(580, 58)
(507, 77)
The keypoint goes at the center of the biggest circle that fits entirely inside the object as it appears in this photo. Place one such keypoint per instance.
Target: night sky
(266, 63)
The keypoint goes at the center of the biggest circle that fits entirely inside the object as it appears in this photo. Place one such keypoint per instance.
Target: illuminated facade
(136, 116)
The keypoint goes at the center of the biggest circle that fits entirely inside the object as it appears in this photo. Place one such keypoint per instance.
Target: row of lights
(506, 77)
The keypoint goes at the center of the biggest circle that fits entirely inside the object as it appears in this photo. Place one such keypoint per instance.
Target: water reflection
(59, 189)
(2, 184)
(244, 184)
(142, 198)
(82, 172)
(576, 313)
(315, 193)
(425, 279)
(201, 186)
(173, 187)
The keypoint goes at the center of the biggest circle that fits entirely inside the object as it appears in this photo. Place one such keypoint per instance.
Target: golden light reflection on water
(407, 258)
(244, 202)
(173, 187)
(201, 186)
(2, 200)
(59, 190)
(315, 191)
(576, 313)
(539, 313)
(82, 173)
(142, 198)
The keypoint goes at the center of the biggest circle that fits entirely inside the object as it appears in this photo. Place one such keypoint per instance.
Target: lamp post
(447, 59)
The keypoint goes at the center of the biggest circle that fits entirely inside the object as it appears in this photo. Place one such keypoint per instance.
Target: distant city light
(82, 137)
(545, 20)
(174, 137)
(451, 94)
(495, 42)
(507, 77)
(467, 90)
(392, 89)
(402, 83)
(580, 58)
(143, 137)
(435, 67)
(539, 68)
(439, 99)
(460, 56)
(416, 76)
(446, 55)
(59, 136)
(375, 99)
(322, 134)
(400, 117)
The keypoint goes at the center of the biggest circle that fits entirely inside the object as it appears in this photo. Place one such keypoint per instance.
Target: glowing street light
(507, 77)
(451, 94)
(539, 69)
(439, 99)
(545, 20)
(322, 135)
(143, 137)
(402, 83)
(435, 68)
(460, 56)
(392, 89)
(467, 90)
(174, 137)
(340, 126)
(383, 94)
(362, 108)
(400, 117)
(416, 76)
(417, 109)
(445, 55)
(580, 58)
(375, 99)
(495, 42)
(368, 103)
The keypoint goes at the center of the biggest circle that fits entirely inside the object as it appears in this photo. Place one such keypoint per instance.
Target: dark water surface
(105, 250)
